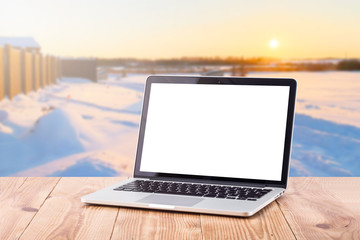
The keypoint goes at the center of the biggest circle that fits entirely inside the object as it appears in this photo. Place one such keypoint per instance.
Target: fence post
(13, 71)
(33, 75)
(45, 71)
(53, 70)
(22, 71)
(7, 70)
(59, 68)
(41, 83)
(28, 73)
(48, 70)
(36, 71)
(2, 74)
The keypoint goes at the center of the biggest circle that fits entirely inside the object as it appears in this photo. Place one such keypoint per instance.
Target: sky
(172, 29)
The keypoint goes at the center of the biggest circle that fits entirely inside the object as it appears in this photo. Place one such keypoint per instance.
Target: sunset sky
(168, 28)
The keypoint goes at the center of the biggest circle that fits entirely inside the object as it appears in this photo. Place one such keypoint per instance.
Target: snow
(331, 95)
(53, 130)
(326, 138)
(22, 42)
(81, 128)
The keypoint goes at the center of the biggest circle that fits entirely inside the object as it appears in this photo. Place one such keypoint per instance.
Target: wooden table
(50, 208)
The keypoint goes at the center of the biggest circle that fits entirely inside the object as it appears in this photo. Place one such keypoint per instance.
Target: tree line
(256, 63)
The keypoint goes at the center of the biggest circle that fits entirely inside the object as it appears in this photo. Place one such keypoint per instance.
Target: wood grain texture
(64, 216)
(20, 200)
(323, 208)
(269, 223)
(145, 224)
(50, 208)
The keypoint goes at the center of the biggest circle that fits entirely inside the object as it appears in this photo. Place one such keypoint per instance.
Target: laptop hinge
(206, 181)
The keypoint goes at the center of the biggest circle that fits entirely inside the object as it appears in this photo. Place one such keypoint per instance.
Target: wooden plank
(323, 208)
(269, 223)
(44, 81)
(2, 74)
(28, 72)
(15, 72)
(48, 70)
(20, 201)
(146, 224)
(9, 185)
(36, 70)
(42, 71)
(63, 215)
(14, 65)
(315, 208)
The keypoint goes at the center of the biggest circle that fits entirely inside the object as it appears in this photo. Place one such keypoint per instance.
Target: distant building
(26, 43)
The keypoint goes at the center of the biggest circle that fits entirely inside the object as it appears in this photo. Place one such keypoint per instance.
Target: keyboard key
(241, 198)
(188, 189)
(231, 197)
(221, 196)
(210, 195)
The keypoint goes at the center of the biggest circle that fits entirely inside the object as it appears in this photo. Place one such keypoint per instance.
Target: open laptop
(215, 145)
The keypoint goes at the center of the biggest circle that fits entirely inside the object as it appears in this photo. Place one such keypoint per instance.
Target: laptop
(213, 145)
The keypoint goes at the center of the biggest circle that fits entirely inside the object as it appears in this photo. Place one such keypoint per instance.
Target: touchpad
(171, 200)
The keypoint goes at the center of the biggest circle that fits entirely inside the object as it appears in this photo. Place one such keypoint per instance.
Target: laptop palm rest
(170, 200)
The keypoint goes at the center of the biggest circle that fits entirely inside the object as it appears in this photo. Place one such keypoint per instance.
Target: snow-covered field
(80, 128)
(74, 128)
(327, 123)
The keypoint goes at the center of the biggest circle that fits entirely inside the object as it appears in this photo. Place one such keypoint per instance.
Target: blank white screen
(233, 131)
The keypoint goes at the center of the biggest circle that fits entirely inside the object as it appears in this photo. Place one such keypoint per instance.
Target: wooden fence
(79, 68)
(23, 71)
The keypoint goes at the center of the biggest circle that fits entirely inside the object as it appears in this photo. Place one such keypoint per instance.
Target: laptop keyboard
(199, 190)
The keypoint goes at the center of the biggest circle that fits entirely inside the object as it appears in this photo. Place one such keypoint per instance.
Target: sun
(273, 43)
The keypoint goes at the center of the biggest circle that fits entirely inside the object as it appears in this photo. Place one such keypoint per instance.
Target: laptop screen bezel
(228, 81)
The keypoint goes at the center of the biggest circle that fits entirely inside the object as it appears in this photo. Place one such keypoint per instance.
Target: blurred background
(72, 75)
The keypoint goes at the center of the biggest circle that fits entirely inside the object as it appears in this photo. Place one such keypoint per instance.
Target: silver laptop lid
(216, 129)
